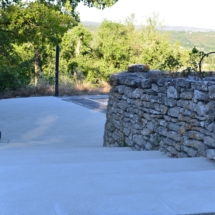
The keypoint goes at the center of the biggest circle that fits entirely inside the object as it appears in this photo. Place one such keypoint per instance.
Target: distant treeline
(203, 40)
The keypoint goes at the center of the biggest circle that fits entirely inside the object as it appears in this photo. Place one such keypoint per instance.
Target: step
(75, 155)
(112, 188)
(106, 159)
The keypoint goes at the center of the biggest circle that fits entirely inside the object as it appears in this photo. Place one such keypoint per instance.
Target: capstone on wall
(175, 115)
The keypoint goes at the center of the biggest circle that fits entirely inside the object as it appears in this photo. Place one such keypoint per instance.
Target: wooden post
(57, 70)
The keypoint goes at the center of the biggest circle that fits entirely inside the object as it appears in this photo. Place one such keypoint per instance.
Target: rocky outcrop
(151, 111)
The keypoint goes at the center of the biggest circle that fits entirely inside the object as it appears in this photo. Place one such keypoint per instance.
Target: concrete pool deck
(54, 163)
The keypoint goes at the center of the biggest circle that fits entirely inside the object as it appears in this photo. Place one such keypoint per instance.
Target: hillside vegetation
(90, 54)
(204, 41)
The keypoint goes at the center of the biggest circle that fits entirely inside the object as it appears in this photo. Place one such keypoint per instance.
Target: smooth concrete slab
(38, 121)
(55, 164)
(72, 189)
(74, 156)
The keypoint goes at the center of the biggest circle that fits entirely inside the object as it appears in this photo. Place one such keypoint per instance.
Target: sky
(190, 13)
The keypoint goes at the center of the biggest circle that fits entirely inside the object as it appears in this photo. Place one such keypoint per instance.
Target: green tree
(38, 24)
(154, 46)
(41, 23)
(75, 49)
(111, 48)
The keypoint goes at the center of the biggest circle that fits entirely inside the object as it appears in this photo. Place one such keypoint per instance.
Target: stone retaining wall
(175, 115)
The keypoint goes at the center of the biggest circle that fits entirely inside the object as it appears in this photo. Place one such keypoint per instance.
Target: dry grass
(65, 89)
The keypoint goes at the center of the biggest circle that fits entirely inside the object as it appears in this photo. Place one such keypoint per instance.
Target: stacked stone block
(175, 115)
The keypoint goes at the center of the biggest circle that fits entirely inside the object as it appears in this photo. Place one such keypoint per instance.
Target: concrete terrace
(52, 163)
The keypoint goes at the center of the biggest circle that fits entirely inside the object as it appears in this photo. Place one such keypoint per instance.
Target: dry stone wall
(175, 115)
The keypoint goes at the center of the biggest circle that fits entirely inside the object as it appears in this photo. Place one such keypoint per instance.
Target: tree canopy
(29, 32)
(17, 16)
(37, 24)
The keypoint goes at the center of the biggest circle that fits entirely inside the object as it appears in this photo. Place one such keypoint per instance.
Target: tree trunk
(78, 47)
(37, 65)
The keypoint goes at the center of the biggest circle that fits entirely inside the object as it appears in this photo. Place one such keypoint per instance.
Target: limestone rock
(139, 140)
(148, 146)
(172, 150)
(138, 68)
(202, 109)
(172, 93)
(186, 95)
(200, 85)
(195, 135)
(173, 126)
(182, 155)
(170, 102)
(210, 154)
(199, 95)
(211, 107)
(174, 112)
(212, 92)
(183, 83)
(190, 151)
(168, 141)
(173, 135)
(210, 141)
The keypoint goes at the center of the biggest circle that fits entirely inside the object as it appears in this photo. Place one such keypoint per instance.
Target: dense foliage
(30, 31)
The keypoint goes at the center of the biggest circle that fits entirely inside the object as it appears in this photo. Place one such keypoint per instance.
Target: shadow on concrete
(93, 105)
